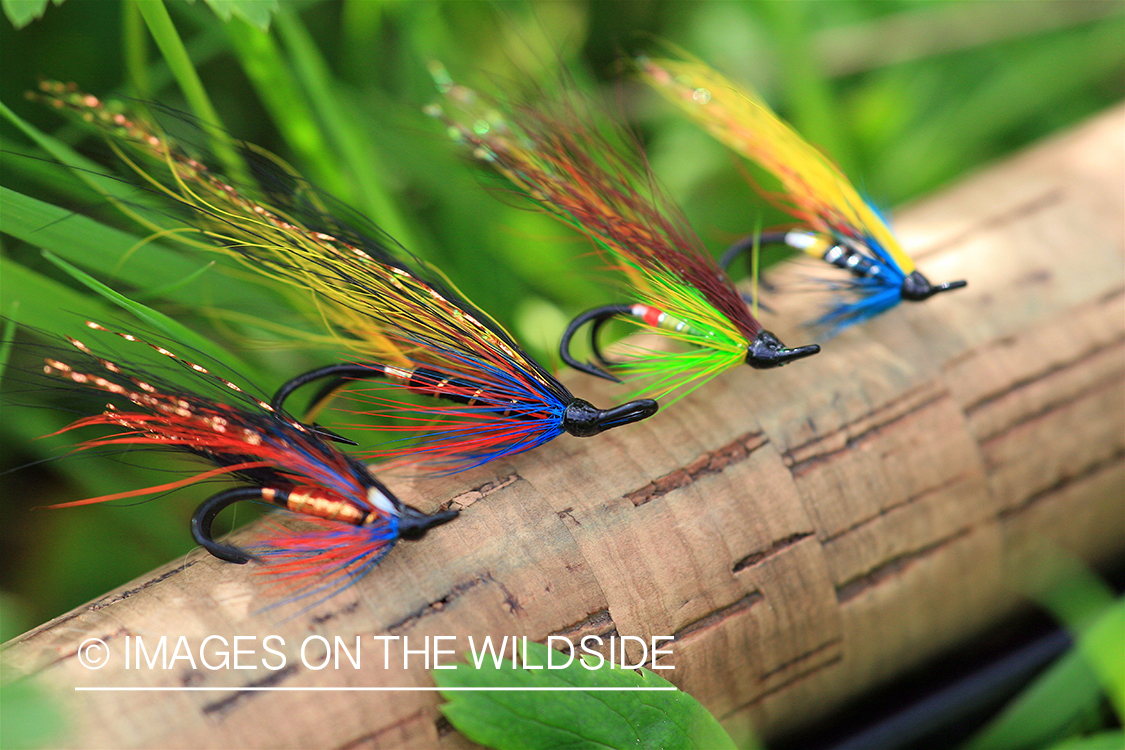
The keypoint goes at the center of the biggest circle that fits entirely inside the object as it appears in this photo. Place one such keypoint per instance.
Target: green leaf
(256, 12)
(1104, 647)
(279, 90)
(121, 257)
(1087, 607)
(1102, 741)
(584, 704)
(31, 717)
(174, 286)
(1065, 696)
(1068, 696)
(142, 263)
(23, 12)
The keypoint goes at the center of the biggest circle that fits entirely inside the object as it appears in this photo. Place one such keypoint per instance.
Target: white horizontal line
(262, 689)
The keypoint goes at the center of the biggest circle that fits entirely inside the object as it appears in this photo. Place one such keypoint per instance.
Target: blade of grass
(112, 254)
(1089, 609)
(89, 172)
(45, 303)
(1112, 740)
(25, 166)
(91, 243)
(158, 320)
(270, 73)
(7, 336)
(255, 12)
(340, 124)
(134, 43)
(172, 48)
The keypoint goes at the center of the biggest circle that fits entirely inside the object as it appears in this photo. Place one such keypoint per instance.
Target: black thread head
(413, 523)
(766, 351)
(917, 287)
(583, 419)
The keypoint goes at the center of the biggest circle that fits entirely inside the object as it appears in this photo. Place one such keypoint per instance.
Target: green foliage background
(906, 96)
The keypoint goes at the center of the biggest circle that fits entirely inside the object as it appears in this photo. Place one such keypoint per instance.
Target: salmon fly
(579, 173)
(409, 328)
(840, 227)
(355, 519)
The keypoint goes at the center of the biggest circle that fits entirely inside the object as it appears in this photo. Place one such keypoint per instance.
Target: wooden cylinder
(803, 534)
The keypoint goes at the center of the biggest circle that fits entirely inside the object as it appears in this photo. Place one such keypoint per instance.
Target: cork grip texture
(804, 534)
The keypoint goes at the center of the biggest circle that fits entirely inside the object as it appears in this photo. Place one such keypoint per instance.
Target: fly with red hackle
(353, 519)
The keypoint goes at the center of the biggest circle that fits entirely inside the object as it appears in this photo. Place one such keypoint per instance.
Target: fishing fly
(409, 328)
(355, 519)
(578, 172)
(840, 227)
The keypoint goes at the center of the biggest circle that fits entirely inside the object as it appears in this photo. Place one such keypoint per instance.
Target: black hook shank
(339, 373)
(747, 243)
